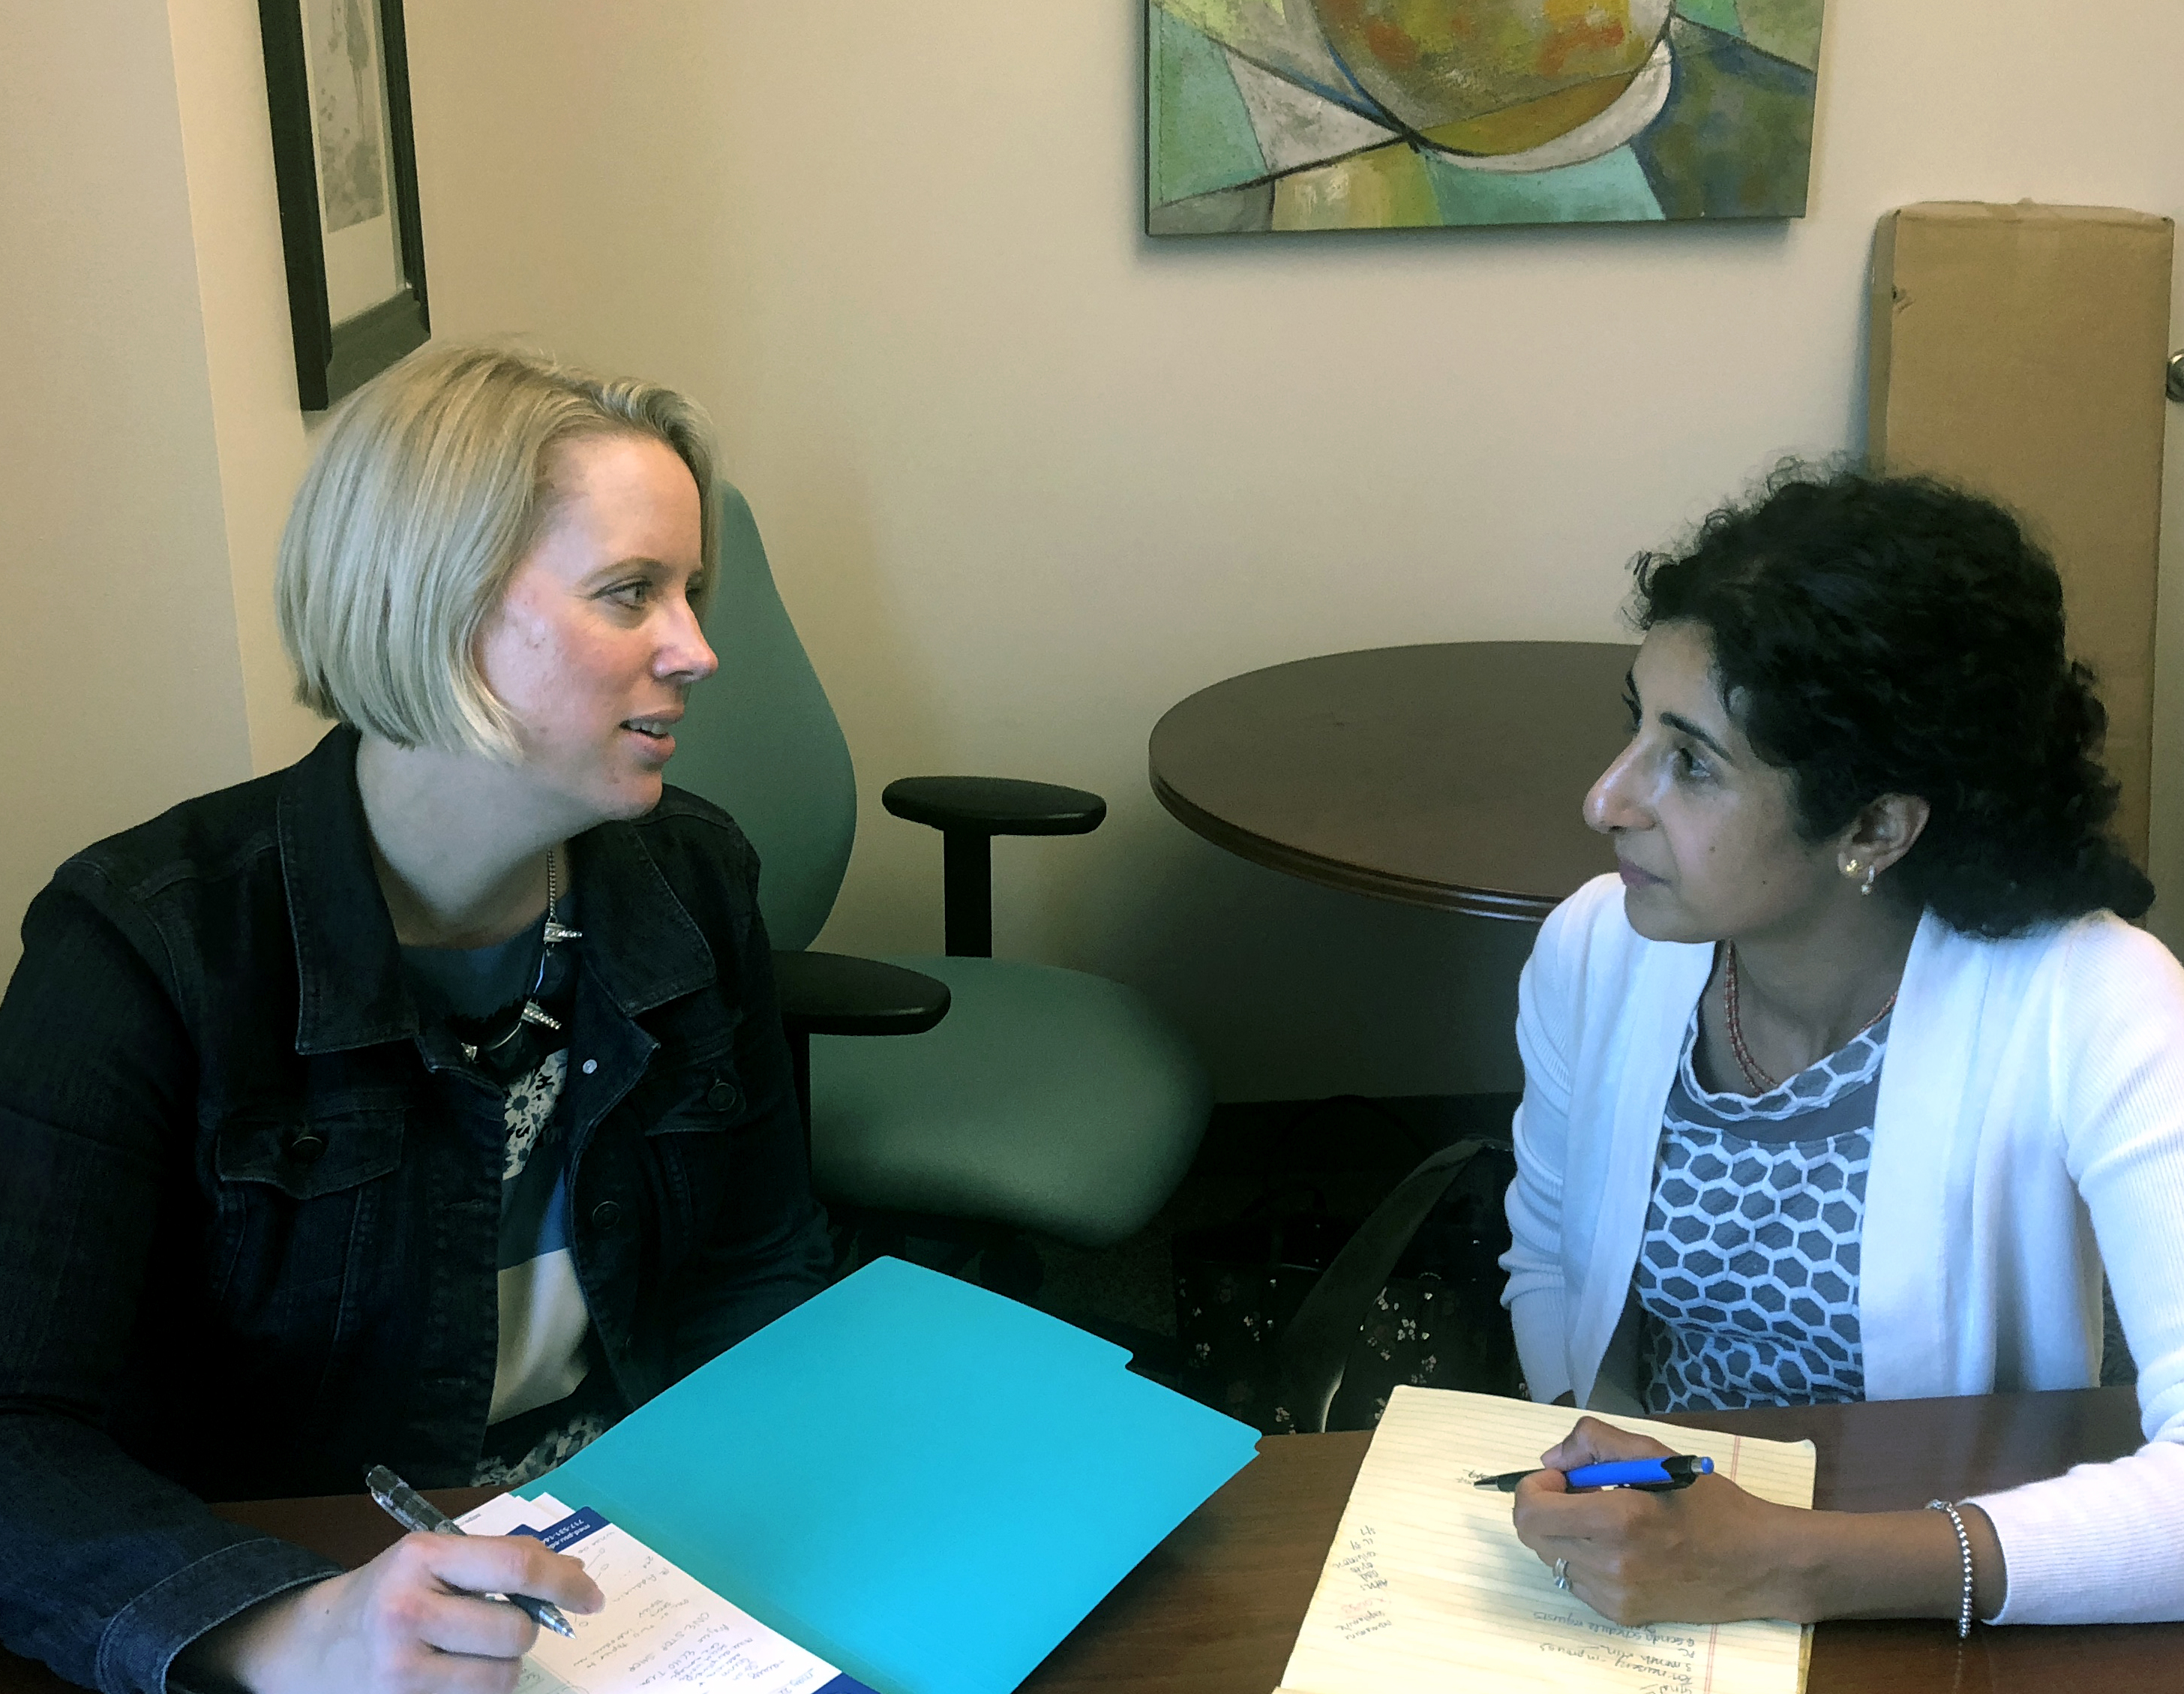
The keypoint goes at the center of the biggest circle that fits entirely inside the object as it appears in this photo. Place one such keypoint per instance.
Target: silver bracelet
(1965, 1547)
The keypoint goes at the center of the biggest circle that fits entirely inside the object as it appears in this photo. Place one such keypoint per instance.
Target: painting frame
(348, 321)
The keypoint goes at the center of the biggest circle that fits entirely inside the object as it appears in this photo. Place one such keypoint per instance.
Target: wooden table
(1448, 776)
(1214, 1609)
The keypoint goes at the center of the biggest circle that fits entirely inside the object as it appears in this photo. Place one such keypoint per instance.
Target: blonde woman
(422, 1104)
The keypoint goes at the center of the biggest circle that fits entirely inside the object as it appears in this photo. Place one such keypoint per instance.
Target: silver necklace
(555, 933)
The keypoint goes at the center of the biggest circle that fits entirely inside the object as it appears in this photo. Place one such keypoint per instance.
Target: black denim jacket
(245, 1252)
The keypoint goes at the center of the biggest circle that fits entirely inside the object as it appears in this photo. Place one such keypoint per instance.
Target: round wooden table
(1448, 776)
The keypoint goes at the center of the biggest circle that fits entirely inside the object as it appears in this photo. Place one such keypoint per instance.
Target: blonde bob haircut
(430, 484)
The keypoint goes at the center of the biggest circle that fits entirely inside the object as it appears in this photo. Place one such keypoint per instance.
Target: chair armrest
(831, 993)
(993, 805)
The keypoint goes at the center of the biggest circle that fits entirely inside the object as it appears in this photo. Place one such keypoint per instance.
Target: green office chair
(1009, 1096)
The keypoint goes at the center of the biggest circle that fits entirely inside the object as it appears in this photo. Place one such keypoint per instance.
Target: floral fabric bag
(1290, 1321)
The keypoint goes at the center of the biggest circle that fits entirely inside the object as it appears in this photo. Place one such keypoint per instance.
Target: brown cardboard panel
(2019, 351)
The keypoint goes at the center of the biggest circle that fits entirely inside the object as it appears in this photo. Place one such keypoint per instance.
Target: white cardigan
(2029, 1124)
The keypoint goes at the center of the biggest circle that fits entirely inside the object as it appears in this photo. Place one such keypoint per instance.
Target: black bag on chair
(1287, 1308)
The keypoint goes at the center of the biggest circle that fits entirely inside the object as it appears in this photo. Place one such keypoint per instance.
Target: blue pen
(1655, 1476)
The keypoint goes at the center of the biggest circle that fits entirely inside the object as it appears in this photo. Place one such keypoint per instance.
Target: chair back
(761, 741)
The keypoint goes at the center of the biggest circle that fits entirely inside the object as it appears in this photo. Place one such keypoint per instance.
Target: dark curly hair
(1893, 635)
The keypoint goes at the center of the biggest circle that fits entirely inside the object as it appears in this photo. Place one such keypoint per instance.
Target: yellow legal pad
(1426, 1578)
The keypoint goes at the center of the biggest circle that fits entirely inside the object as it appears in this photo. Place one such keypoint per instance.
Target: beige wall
(149, 470)
(1029, 478)
(259, 431)
(119, 674)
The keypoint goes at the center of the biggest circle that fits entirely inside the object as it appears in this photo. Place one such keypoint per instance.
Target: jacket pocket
(300, 1202)
(692, 1145)
(307, 1159)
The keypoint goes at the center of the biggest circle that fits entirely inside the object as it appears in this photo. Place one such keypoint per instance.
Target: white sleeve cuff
(2104, 1544)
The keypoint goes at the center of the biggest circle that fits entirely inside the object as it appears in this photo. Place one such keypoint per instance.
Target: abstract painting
(1315, 115)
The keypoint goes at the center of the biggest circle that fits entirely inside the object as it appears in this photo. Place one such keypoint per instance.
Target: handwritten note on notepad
(661, 1629)
(1427, 1579)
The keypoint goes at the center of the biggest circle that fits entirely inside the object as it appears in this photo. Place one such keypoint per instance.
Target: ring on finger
(1561, 1574)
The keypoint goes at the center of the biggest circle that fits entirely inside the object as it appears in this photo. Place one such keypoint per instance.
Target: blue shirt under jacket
(246, 1251)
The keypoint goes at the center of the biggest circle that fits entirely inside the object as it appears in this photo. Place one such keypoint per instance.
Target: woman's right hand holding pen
(1712, 1553)
(415, 1620)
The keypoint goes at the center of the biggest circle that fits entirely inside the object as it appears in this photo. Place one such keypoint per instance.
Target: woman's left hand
(1708, 1554)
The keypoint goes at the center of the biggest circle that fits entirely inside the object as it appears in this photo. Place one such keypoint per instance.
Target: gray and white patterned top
(1747, 1277)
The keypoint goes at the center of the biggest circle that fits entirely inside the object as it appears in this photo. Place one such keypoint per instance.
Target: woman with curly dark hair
(1854, 1079)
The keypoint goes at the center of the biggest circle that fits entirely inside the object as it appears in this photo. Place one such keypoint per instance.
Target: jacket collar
(639, 942)
(349, 987)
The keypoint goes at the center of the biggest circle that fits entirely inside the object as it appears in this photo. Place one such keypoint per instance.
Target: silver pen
(412, 1511)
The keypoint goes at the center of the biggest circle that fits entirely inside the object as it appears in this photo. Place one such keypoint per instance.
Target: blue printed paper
(919, 1480)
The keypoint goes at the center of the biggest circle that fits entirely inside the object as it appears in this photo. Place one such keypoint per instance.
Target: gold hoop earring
(1851, 867)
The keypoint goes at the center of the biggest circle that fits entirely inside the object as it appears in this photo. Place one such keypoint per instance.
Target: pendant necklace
(554, 934)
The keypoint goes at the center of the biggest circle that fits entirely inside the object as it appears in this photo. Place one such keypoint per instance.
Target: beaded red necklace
(1752, 1074)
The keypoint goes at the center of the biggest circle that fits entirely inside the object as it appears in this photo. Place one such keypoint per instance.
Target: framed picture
(1275, 115)
(345, 166)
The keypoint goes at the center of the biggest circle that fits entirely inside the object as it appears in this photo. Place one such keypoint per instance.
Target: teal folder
(922, 1481)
